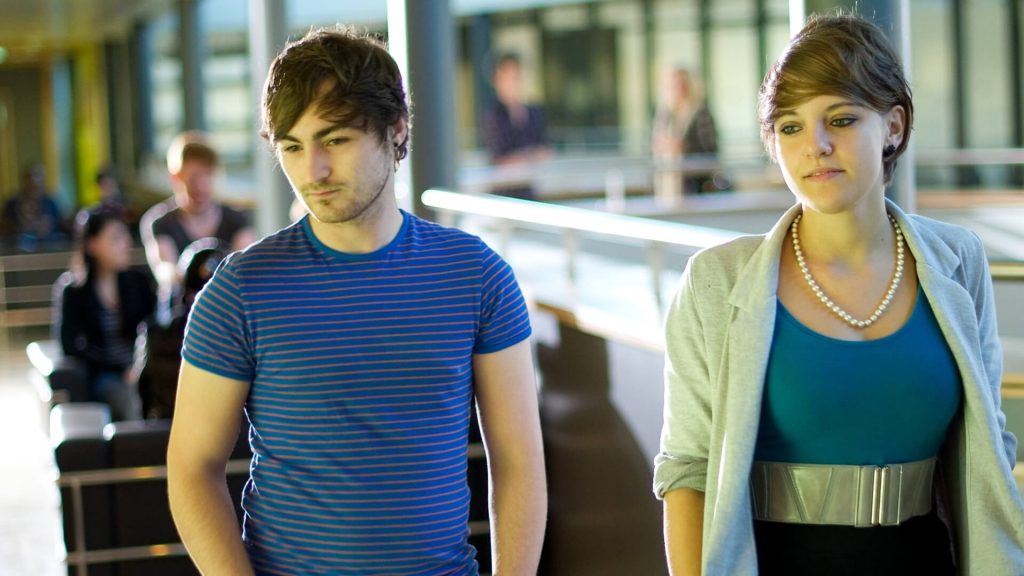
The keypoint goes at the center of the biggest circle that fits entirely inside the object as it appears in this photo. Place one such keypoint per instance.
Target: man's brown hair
(838, 55)
(350, 77)
(191, 146)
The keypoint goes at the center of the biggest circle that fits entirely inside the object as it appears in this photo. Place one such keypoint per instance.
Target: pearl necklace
(843, 314)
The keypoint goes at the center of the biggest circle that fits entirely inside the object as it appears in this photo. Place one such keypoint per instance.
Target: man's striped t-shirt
(362, 386)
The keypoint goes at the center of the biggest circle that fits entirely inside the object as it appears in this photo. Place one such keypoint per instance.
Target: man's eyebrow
(321, 133)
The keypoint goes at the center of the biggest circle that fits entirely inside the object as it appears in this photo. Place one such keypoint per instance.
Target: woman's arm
(681, 466)
(684, 531)
(988, 336)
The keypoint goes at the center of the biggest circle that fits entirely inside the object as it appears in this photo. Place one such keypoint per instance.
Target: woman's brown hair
(838, 55)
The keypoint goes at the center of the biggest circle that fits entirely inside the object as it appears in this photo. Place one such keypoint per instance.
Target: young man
(356, 341)
(192, 213)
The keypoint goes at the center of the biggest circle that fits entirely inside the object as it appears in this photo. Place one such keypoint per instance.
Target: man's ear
(398, 132)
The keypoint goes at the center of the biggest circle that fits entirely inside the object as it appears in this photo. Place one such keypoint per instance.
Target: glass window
(931, 67)
(732, 89)
(167, 96)
(987, 82)
(724, 11)
(230, 101)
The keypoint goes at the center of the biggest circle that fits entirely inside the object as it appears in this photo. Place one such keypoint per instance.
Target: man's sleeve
(504, 319)
(217, 337)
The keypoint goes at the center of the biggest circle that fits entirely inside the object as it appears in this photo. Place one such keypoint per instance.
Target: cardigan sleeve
(686, 432)
(980, 286)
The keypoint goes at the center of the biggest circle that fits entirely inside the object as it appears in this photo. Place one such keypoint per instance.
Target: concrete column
(425, 53)
(142, 89)
(191, 47)
(119, 108)
(268, 33)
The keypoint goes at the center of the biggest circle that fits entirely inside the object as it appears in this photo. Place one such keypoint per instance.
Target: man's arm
(242, 239)
(161, 251)
(510, 422)
(207, 415)
(684, 531)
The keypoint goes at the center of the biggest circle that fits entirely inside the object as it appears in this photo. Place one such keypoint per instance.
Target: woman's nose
(819, 142)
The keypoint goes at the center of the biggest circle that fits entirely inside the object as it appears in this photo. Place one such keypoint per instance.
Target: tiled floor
(31, 542)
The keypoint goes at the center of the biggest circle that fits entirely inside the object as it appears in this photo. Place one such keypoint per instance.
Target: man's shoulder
(158, 212)
(426, 233)
(290, 239)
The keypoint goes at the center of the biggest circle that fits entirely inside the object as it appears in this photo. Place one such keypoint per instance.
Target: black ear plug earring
(889, 150)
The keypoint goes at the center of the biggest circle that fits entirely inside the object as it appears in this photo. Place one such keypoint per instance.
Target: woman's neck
(849, 238)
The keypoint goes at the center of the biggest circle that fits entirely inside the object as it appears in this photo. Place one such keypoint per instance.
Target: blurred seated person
(158, 348)
(513, 131)
(32, 217)
(192, 213)
(112, 199)
(684, 128)
(99, 305)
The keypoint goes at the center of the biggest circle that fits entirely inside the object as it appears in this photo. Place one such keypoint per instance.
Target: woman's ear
(895, 123)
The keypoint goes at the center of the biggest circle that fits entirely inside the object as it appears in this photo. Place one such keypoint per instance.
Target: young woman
(832, 387)
(101, 302)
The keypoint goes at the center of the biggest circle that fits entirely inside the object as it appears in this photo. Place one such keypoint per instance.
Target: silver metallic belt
(843, 495)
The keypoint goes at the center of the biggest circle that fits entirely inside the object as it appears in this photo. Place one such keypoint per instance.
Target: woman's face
(830, 151)
(111, 247)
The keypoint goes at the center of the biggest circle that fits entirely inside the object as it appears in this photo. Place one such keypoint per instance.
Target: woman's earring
(889, 150)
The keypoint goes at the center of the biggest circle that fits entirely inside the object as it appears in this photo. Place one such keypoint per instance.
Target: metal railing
(654, 235)
(80, 557)
(29, 304)
(572, 222)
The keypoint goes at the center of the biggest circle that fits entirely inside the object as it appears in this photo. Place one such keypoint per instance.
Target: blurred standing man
(513, 131)
(356, 341)
(192, 213)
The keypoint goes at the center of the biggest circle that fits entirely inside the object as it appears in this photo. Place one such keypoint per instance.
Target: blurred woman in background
(101, 301)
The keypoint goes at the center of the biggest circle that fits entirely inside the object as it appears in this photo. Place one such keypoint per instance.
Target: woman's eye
(789, 129)
(844, 121)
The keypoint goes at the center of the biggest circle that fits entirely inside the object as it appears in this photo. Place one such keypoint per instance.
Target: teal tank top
(874, 402)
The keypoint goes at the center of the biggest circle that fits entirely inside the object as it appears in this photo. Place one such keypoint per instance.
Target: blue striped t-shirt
(362, 386)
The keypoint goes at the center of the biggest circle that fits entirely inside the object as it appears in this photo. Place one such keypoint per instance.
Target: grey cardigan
(718, 336)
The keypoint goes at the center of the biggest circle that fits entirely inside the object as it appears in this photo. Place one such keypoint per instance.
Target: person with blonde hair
(684, 128)
(832, 391)
(192, 213)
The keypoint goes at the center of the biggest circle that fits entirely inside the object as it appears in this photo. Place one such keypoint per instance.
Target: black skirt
(918, 546)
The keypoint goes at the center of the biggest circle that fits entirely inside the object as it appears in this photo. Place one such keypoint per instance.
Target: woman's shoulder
(936, 234)
(727, 258)
(68, 286)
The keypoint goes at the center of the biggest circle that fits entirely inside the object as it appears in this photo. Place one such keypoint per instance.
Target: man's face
(339, 172)
(195, 181)
(508, 82)
(33, 181)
